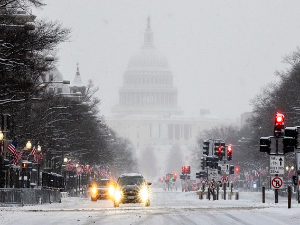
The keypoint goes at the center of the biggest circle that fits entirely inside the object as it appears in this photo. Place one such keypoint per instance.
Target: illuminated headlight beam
(118, 195)
(144, 194)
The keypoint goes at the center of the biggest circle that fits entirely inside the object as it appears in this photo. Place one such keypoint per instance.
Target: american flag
(21, 153)
(18, 156)
(35, 154)
(12, 149)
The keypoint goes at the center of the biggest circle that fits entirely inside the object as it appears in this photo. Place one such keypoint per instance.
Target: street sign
(212, 174)
(224, 179)
(225, 168)
(298, 161)
(277, 183)
(276, 165)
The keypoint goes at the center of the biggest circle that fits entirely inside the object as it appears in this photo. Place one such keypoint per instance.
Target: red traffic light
(220, 149)
(279, 118)
(236, 169)
(229, 148)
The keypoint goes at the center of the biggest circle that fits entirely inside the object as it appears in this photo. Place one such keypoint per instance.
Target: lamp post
(65, 176)
(39, 149)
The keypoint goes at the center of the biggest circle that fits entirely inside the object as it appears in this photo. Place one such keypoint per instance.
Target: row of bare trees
(282, 96)
(63, 126)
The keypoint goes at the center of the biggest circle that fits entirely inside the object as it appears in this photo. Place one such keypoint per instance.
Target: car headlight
(111, 190)
(118, 195)
(144, 194)
(94, 190)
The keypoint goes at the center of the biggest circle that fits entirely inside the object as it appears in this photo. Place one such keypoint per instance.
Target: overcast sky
(221, 53)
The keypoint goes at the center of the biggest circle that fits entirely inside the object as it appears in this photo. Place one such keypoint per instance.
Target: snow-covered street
(167, 207)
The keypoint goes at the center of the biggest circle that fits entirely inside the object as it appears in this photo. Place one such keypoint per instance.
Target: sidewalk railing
(28, 196)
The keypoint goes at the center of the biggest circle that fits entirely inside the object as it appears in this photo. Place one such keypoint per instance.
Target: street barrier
(28, 196)
(201, 195)
(237, 196)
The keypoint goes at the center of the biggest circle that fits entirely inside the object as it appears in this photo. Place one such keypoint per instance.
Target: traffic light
(295, 182)
(223, 148)
(203, 162)
(237, 170)
(174, 176)
(290, 139)
(209, 160)
(229, 152)
(279, 125)
(206, 147)
(219, 169)
(217, 148)
(231, 169)
(288, 144)
(168, 176)
(215, 160)
(185, 170)
(265, 144)
(26, 166)
(201, 174)
(188, 169)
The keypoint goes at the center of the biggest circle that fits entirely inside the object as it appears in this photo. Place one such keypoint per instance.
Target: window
(51, 91)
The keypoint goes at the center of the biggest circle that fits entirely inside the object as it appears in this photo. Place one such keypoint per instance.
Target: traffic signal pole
(276, 175)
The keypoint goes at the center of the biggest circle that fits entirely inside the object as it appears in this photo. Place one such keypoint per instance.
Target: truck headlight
(111, 190)
(94, 190)
(118, 195)
(144, 194)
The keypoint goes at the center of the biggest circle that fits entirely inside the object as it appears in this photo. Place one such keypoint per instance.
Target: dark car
(131, 188)
(102, 189)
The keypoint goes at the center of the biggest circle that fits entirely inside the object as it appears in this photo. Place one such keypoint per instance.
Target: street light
(65, 160)
(28, 145)
(1, 135)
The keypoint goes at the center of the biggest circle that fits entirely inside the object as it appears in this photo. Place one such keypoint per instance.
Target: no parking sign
(277, 183)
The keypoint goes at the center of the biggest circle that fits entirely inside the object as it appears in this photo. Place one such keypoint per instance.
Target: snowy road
(166, 208)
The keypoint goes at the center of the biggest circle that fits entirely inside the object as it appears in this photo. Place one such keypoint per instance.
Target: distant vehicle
(192, 185)
(102, 189)
(131, 188)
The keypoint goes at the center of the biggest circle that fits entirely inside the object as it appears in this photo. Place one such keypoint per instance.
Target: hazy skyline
(221, 53)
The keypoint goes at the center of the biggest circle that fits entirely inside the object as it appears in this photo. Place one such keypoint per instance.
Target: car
(192, 185)
(131, 188)
(102, 189)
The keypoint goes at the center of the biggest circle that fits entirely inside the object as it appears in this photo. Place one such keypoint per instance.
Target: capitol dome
(148, 83)
(148, 57)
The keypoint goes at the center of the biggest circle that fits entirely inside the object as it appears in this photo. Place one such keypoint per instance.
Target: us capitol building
(148, 112)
